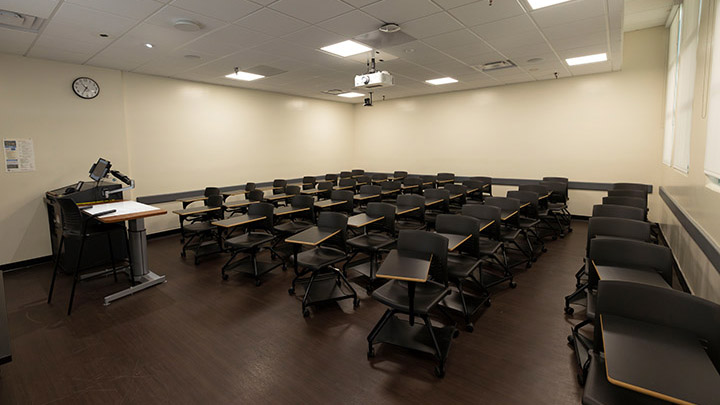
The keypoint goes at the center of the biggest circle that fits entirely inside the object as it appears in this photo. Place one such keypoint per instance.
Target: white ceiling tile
(169, 65)
(465, 51)
(506, 27)
(451, 68)
(312, 11)
(121, 61)
(37, 8)
(162, 38)
(452, 39)
(431, 25)
(481, 12)
(135, 9)
(264, 2)
(169, 15)
(581, 41)
(586, 50)
(638, 21)
(526, 51)
(400, 11)
(568, 12)
(58, 54)
(77, 22)
(221, 9)
(590, 68)
(360, 3)
(517, 40)
(448, 4)
(227, 40)
(481, 59)
(577, 28)
(271, 22)
(314, 37)
(14, 41)
(351, 24)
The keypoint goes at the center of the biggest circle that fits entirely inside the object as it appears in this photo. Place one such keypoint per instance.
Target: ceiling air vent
(17, 21)
(502, 64)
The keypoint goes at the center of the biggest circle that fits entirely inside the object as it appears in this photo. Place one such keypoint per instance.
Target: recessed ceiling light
(104, 35)
(149, 45)
(191, 56)
(389, 28)
(535, 60)
(346, 48)
(186, 25)
(536, 4)
(351, 94)
(409, 50)
(581, 60)
(442, 80)
(245, 76)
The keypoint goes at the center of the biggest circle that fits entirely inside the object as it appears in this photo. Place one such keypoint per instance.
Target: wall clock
(85, 87)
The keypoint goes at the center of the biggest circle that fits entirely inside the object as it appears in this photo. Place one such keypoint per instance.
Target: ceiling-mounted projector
(374, 80)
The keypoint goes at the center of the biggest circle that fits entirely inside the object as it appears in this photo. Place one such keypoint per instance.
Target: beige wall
(602, 127)
(689, 190)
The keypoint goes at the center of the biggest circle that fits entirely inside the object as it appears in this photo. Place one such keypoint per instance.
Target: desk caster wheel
(571, 340)
(469, 327)
(306, 313)
(439, 372)
(534, 259)
(487, 303)
(544, 250)
(182, 254)
(569, 310)
(356, 303)
(455, 334)
(569, 229)
(291, 291)
(513, 284)
(257, 283)
(371, 353)
(528, 264)
(369, 290)
(225, 277)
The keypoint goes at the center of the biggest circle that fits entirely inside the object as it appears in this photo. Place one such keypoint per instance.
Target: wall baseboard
(25, 263)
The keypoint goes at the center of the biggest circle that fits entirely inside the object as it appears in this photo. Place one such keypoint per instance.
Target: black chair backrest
(357, 172)
(279, 186)
(435, 193)
(400, 175)
(558, 191)
(445, 176)
(427, 242)
(484, 180)
(211, 191)
(347, 182)
(429, 179)
(631, 186)
(342, 195)
(249, 186)
(530, 197)
(304, 201)
(538, 188)
(391, 186)
(331, 177)
(265, 210)
(309, 179)
(292, 190)
(618, 211)
(633, 254)
(333, 221)
(461, 225)
(455, 189)
(618, 228)
(378, 177)
(72, 218)
(215, 201)
(412, 200)
(662, 306)
(504, 203)
(370, 189)
(485, 212)
(556, 179)
(325, 185)
(380, 209)
(256, 195)
(363, 179)
(413, 181)
(629, 193)
(627, 201)
(345, 175)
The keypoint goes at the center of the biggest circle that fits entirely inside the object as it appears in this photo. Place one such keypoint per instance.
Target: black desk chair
(490, 243)
(443, 207)
(414, 218)
(412, 185)
(618, 211)
(202, 235)
(653, 305)
(529, 220)
(279, 186)
(487, 184)
(445, 178)
(462, 264)
(320, 263)
(549, 223)
(627, 201)
(379, 178)
(348, 201)
(378, 236)
(631, 186)
(390, 190)
(256, 195)
(250, 186)
(428, 181)
(297, 222)
(331, 177)
(629, 193)
(345, 175)
(399, 175)
(76, 225)
(401, 296)
(606, 227)
(476, 196)
(348, 182)
(457, 202)
(326, 187)
(259, 235)
(357, 172)
(197, 217)
(363, 180)
(308, 182)
(291, 191)
(510, 230)
(557, 205)
(366, 190)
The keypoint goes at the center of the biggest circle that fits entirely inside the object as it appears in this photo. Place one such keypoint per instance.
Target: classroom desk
(388, 192)
(343, 187)
(310, 237)
(312, 191)
(231, 193)
(523, 205)
(5, 353)
(365, 197)
(186, 212)
(238, 204)
(404, 187)
(658, 361)
(433, 201)
(189, 200)
(410, 266)
(328, 203)
(281, 211)
(134, 213)
(648, 277)
(275, 197)
(445, 181)
(472, 190)
(237, 221)
(360, 220)
(485, 223)
(454, 241)
(505, 214)
(400, 210)
(544, 196)
(454, 196)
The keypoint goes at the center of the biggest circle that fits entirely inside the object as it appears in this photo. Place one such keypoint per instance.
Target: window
(671, 91)
(712, 147)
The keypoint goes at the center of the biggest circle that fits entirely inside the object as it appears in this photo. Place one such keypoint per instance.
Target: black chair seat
(198, 227)
(320, 257)
(395, 295)
(460, 266)
(292, 227)
(509, 234)
(409, 224)
(556, 206)
(249, 240)
(371, 241)
(599, 391)
(489, 247)
(528, 222)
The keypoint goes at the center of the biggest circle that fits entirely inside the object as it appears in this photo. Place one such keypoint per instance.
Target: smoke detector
(389, 27)
(501, 64)
(187, 25)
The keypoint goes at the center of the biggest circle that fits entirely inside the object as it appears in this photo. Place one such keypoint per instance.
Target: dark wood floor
(197, 339)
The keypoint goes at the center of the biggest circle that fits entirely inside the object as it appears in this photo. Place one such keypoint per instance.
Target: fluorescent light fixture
(442, 80)
(248, 77)
(582, 60)
(346, 48)
(149, 45)
(536, 4)
(351, 94)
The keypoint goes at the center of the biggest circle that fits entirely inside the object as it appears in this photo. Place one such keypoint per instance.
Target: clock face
(86, 87)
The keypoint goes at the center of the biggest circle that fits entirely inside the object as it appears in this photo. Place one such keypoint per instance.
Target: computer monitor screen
(100, 169)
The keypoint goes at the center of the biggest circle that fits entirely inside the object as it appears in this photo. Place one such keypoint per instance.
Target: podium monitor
(100, 169)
